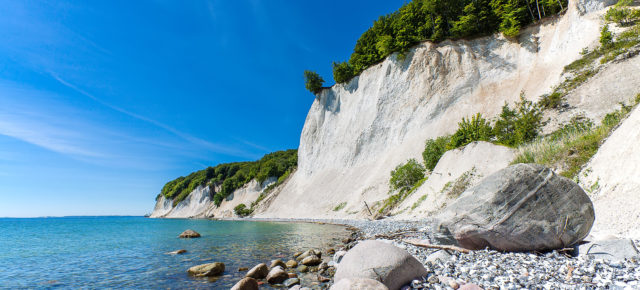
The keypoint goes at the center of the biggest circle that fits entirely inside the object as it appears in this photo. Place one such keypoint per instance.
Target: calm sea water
(129, 252)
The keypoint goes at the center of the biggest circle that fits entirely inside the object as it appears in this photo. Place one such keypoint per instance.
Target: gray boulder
(523, 207)
(260, 271)
(207, 270)
(358, 284)
(246, 284)
(612, 249)
(380, 261)
(277, 275)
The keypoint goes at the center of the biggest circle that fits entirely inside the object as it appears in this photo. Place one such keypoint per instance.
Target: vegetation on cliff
(228, 177)
(437, 20)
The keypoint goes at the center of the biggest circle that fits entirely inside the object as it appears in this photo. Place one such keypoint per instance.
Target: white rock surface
(612, 179)
(200, 204)
(356, 133)
(477, 160)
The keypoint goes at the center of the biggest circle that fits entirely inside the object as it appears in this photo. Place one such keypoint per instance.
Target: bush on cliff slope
(436, 20)
(231, 176)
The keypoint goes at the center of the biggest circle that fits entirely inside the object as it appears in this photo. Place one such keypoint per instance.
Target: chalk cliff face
(356, 133)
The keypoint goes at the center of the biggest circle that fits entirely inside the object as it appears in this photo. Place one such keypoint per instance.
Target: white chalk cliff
(356, 133)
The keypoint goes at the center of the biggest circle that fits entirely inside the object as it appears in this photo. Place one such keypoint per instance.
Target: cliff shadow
(331, 101)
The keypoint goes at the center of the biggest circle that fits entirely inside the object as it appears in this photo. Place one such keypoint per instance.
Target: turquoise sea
(129, 252)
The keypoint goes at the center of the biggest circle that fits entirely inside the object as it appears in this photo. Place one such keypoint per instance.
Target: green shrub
(606, 37)
(470, 130)
(519, 125)
(340, 206)
(313, 82)
(406, 175)
(242, 210)
(433, 151)
(342, 72)
(551, 101)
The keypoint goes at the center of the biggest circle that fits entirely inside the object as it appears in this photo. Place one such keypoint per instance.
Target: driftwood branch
(440, 247)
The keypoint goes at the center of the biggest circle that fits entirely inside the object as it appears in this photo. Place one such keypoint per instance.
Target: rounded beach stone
(358, 284)
(207, 270)
(177, 252)
(188, 234)
(292, 264)
(246, 283)
(277, 262)
(277, 275)
(260, 271)
(392, 266)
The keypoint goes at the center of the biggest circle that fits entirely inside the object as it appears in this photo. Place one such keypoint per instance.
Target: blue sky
(102, 102)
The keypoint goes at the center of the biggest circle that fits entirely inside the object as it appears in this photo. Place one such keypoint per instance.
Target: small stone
(291, 282)
(331, 251)
(453, 284)
(291, 264)
(293, 275)
(207, 270)
(323, 266)
(277, 275)
(177, 252)
(260, 271)
(242, 269)
(246, 284)
(323, 279)
(277, 262)
(303, 269)
(433, 279)
(311, 261)
(188, 234)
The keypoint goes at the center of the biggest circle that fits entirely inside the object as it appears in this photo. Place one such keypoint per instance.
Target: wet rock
(177, 252)
(293, 275)
(242, 269)
(323, 279)
(189, 234)
(611, 249)
(291, 282)
(246, 284)
(278, 262)
(277, 275)
(524, 207)
(331, 251)
(358, 284)
(260, 271)
(331, 271)
(308, 253)
(311, 261)
(296, 254)
(323, 266)
(392, 266)
(207, 270)
(303, 269)
(338, 256)
(291, 264)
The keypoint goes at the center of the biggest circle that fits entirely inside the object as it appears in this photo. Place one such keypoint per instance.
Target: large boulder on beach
(358, 284)
(207, 270)
(246, 284)
(189, 234)
(260, 271)
(523, 207)
(277, 275)
(380, 261)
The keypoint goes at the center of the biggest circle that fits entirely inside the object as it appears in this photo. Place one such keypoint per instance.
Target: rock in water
(246, 284)
(523, 207)
(291, 282)
(188, 234)
(177, 252)
(260, 271)
(358, 284)
(311, 261)
(380, 261)
(292, 264)
(207, 270)
(277, 275)
(278, 262)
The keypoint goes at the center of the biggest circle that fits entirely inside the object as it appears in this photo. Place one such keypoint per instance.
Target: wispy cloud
(217, 148)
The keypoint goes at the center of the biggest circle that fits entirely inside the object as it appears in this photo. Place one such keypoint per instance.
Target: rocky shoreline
(482, 269)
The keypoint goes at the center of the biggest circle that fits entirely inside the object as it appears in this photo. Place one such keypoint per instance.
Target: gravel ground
(495, 270)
